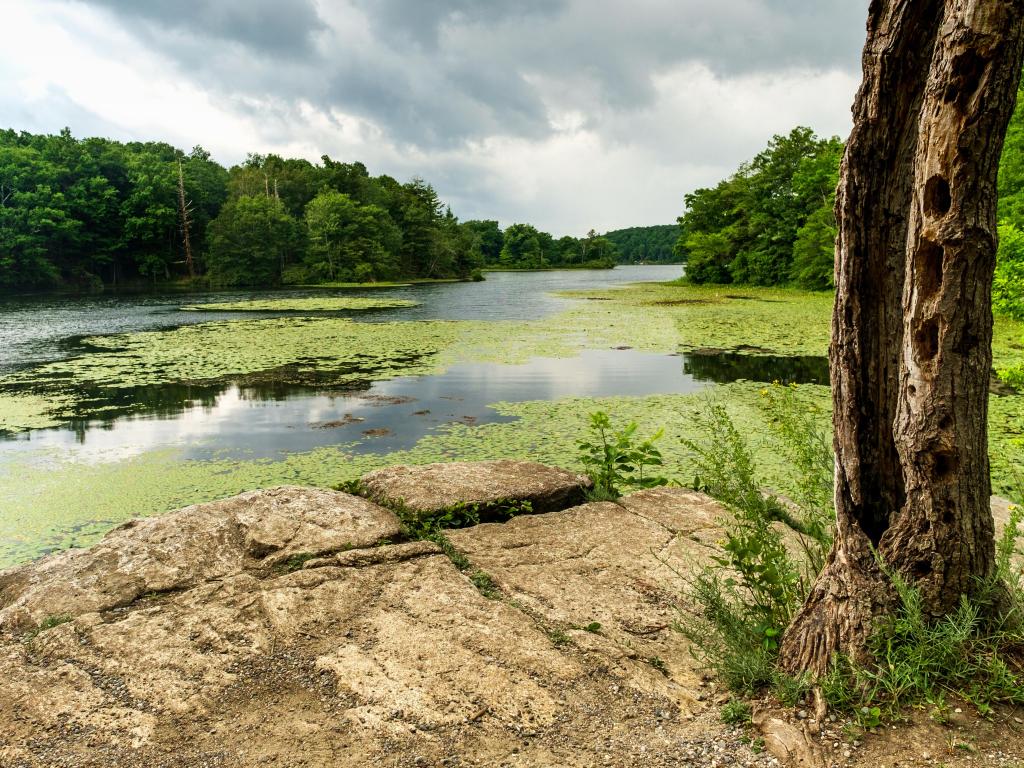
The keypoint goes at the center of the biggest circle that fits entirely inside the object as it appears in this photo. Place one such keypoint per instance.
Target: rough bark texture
(912, 326)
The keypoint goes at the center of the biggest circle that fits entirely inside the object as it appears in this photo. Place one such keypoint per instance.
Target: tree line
(88, 213)
(772, 221)
(646, 245)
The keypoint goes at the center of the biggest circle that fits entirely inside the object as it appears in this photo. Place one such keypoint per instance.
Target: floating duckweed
(311, 304)
(38, 513)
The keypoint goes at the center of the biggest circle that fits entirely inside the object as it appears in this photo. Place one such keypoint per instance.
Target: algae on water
(310, 304)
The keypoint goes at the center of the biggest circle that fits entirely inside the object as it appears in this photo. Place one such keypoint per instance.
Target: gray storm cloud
(435, 73)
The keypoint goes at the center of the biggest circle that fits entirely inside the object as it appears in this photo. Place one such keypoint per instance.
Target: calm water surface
(228, 420)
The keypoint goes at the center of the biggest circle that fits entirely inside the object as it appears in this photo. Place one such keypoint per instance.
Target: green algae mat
(311, 304)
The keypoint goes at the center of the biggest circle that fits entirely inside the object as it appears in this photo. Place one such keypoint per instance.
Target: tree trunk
(912, 325)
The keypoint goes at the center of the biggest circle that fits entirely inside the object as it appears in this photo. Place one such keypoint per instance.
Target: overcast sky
(569, 114)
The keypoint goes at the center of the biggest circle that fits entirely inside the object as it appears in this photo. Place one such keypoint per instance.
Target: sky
(568, 114)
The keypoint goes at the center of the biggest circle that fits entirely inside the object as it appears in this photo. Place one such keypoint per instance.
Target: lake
(147, 406)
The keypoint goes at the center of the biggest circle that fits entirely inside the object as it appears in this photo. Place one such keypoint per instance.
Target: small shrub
(295, 562)
(917, 659)
(354, 487)
(659, 664)
(558, 637)
(48, 623)
(615, 460)
(735, 712)
(743, 605)
(593, 627)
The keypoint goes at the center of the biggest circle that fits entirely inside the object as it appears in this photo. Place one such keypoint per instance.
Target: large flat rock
(430, 488)
(254, 531)
(377, 655)
(621, 565)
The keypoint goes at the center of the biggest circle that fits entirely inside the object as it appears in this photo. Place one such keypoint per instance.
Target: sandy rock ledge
(294, 627)
(430, 488)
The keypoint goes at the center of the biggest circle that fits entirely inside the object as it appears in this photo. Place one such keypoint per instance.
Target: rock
(253, 531)
(366, 654)
(791, 745)
(619, 565)
(430, 488)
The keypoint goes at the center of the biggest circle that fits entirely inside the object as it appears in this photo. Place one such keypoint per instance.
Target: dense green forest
(772, 222)
(523, 246)
(646, 245)
(89, 213)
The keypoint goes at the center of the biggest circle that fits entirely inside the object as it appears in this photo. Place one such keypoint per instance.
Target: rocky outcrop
(294, 627)
(252, 532)
(489, 485)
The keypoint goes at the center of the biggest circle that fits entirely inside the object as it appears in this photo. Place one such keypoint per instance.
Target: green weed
(615, 460)
(735, 712)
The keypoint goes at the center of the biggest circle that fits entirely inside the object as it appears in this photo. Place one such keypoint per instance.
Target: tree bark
(912, 324)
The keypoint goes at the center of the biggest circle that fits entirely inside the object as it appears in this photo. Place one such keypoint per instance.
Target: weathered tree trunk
(912, 326)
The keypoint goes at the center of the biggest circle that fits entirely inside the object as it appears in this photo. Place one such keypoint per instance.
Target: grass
(735, 712)
(295, 562)
(485, 584)
(741, 607)
(46, 624)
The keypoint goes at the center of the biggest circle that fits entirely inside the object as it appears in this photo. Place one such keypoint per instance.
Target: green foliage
(593, 627)
(735, 712)
(295, 562)
(47, 623)
(485, 585)
(92, 212)
(743, 605)
(614, 460)
(349, 241)
(919, 659)
(1008, 285)
(646, 245)
(558, 637)
(251, 240)
(768, 222)
(814, 251)
(658, 663)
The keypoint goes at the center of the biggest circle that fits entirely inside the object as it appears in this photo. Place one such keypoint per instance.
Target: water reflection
(268, 418)
(725, 366)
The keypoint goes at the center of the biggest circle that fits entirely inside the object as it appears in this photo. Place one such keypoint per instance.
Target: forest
(83, 214)
(646, 245)
(771, 222)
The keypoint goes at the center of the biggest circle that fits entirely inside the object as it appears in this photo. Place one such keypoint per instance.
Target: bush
(615, 461)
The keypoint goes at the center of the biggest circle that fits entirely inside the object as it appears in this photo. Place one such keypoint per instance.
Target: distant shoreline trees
(83, 214)
(772, 222)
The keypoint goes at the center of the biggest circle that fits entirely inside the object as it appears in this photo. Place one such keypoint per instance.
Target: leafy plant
(615, 460)
(916, 659)
(735, 712)
(742, 606)
(485, 584)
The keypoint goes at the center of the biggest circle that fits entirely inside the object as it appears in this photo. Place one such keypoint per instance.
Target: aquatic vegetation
(309, 304)
(780, 321)
(19, 412)
(38, 514)
(327, 350)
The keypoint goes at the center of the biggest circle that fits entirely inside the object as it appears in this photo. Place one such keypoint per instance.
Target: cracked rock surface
(295, 627)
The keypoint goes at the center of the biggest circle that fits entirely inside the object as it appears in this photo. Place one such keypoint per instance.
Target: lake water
(143, 450)
(229, 419)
